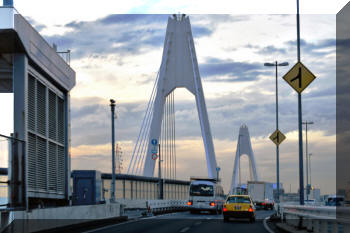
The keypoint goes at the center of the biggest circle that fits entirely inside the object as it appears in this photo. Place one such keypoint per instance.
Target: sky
(116, 52)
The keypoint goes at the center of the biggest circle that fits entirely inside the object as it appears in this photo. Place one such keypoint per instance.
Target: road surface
(184, 222)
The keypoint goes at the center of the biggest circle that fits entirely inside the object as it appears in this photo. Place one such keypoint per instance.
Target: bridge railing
(144, 188)
(153, 206)
(317, 218)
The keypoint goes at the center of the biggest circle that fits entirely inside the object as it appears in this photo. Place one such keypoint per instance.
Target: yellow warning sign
(277, 137)
(299, 77)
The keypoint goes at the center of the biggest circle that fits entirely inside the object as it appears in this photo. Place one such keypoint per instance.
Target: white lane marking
(185, 229)
(266, 226)
(197, 223)
(110, 226)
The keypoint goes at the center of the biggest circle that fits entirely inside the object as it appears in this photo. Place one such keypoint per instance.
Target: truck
(261, 193)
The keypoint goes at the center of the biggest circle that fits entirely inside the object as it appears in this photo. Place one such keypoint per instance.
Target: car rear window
(238, 200)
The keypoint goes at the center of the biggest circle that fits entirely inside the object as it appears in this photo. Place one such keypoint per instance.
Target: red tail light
(224, 209)
(212, 203)
(250, 209)
(189, 203)
(263, 203)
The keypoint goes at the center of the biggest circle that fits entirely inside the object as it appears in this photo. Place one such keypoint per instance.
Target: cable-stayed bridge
(43, 192)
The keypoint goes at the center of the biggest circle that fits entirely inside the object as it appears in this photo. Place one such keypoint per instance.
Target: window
(238, 199)
(201, 190)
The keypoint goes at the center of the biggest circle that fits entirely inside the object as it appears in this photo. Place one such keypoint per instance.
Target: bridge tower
(179, 68)
(244, 147)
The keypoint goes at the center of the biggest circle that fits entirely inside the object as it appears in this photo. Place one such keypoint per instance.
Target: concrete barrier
(50, 218)
(317, 219)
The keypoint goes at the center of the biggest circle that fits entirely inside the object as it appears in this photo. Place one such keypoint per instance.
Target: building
(40, 81)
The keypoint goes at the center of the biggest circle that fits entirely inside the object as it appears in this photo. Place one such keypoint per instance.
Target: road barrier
(316, 218)
(165, 206)
(154, 206)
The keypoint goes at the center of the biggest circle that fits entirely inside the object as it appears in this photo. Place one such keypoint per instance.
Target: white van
(206, 195)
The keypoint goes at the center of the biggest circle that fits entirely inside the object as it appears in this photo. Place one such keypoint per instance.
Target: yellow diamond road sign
(277, 137)
(299, 77)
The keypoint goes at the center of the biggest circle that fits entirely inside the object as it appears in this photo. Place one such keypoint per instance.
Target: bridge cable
(143, 129)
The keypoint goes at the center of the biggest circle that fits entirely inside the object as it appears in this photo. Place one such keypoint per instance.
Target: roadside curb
(266, 226)
(289, 229)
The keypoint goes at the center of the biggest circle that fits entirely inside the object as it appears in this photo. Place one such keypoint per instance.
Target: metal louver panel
(52, 167)
(41, 108)
(31, 103)
(52, 116)
(31, 161)
(60, 120)
(41, 179)
(46, 151)
(61, 169)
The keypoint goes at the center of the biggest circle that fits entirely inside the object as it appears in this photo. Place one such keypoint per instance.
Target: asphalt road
(184, 222)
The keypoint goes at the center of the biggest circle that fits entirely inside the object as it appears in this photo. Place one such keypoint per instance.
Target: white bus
(206, 195)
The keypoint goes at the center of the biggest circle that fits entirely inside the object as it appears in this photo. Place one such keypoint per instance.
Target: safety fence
(316, 218)
(154, 206)
(144, 188)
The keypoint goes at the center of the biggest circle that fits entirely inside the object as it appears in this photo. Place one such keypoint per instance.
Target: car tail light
(212, 203)
(224, 209)
(189, 203)
(250, 209)
(263, 203)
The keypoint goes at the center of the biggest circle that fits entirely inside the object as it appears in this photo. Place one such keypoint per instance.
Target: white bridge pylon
(179, 68)
(244, 147)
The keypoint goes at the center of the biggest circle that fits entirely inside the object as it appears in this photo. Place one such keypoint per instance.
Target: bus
(206, 195)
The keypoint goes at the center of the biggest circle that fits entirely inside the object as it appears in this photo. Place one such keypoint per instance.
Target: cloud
(38, 26)
(234, 71)
(122, 35)
(315, 48)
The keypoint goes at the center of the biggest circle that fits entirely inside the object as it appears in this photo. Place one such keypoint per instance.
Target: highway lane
(184, 222)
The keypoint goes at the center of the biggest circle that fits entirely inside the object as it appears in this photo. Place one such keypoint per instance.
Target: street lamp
(306, 123)
(310, 167)
(113, 151)
(276, 64)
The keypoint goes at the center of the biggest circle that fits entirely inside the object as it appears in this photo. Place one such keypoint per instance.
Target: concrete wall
(43, 219)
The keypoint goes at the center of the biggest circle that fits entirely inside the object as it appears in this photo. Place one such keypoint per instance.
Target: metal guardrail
(317, 218)
(154, 206)
(163, 206)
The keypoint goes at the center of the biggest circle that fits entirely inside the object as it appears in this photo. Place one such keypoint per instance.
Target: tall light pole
(306, 123)
(276, 64)
(113, 152)
(310, 167)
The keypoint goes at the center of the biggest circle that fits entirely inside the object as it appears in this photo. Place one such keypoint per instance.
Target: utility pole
(113, 152)
(306, 123)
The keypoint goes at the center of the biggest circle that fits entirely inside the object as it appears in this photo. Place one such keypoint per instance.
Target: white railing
(154, 206)
(317, 218)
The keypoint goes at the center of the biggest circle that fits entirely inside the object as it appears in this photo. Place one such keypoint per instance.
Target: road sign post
(277, 137)
(299, 77)
(276, 64)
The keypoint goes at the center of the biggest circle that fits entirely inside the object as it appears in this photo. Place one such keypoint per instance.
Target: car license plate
(237, 207)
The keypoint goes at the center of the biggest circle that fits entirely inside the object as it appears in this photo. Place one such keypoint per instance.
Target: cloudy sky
(118, 56)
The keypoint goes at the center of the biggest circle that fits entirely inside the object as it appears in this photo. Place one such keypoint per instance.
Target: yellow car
(239, 206)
